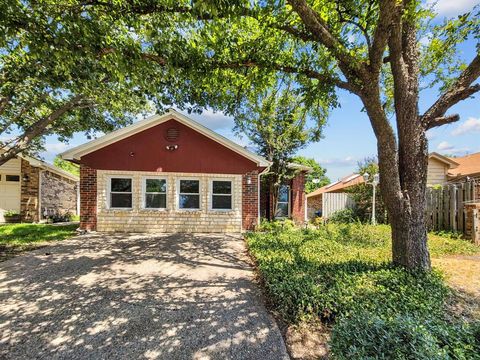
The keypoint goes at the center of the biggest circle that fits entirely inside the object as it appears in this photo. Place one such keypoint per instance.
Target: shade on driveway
(136, 296)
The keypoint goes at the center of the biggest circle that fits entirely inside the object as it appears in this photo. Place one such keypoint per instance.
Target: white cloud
(339, 162)
(446, 147)
(214, 120)
(55, 148)
(468, 126)
(452, 7)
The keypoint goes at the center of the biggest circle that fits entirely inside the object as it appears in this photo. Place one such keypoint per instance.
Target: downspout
(266, 170)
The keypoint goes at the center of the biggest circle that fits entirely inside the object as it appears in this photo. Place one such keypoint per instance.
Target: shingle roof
(346, 182)
(467, 166)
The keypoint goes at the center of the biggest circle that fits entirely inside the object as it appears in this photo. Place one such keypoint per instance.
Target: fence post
(476, 227)
(453, 207)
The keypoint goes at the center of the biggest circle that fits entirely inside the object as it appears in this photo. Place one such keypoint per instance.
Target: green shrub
(369, 336)
(344, 216)
(338, 271)
(276, 225)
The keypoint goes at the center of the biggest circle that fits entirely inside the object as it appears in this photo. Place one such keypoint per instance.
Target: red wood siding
(146, 151)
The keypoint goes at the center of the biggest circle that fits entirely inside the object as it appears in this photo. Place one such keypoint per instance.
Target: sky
(348, 136)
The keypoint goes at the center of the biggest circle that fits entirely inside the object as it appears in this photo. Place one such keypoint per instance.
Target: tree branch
(443, 120)
(349, 65)
(461, 89)
(388, 13)
(38, 128)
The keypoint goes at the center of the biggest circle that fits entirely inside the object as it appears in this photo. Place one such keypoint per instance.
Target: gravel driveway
(166, 296)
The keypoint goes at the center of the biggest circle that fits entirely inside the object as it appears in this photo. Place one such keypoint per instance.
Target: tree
(276, 124)
(66, 166)
(367, 47)
(64, 70)
(220, 52)
(362, 194)
(315, 179)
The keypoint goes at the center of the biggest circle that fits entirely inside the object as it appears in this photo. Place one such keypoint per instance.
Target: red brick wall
(88, 198)
(250, 200)
(297, 210)
(29, 192)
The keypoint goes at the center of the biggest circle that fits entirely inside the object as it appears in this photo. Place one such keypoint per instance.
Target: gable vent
(172, 134)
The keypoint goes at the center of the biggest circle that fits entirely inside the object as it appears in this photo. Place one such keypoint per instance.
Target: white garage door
(9, 187)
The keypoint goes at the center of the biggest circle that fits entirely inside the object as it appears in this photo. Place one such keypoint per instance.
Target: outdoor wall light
(25, 178)
(171, 147)
(249, 180)
(132, 154)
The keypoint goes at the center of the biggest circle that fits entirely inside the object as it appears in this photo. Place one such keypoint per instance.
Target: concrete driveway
(136, 296)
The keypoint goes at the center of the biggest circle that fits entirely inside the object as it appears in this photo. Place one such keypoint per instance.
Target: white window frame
(180, 193)
(211, 194)
(109, 192)
(283, 202)
(144, 192)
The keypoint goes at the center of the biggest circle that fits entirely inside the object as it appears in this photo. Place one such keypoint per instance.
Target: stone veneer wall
(297, 210)
(170, 220)
(29, 192)
(58, 194)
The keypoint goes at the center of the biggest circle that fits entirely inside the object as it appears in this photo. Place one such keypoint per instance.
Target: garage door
(9, 187)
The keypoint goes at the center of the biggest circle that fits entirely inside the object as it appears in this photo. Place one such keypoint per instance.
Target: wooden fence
(332, 202)
(445, 206)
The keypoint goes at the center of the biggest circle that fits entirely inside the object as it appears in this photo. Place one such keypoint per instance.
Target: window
(283, 203)
(189, 194)
(221, 195)
(155, 196)
(13, 178)
(121, 193)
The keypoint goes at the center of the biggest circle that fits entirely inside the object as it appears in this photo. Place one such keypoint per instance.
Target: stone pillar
(88, 198)
(30, 192)
(250, 200)
(297, 210)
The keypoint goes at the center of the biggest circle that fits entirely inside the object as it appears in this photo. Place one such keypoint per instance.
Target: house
(467, 166)
(439, 172)
(315, 198)
(439, 168)
(170, 174)
(36, 189)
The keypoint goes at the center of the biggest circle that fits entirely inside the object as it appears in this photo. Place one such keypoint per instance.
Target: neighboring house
(439, 171)
(315, 198)
(170, 174)
(467, 166)
(439, 167)
(36, 189)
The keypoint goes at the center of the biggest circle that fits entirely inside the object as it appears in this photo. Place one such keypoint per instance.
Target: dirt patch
(307, 341)
(461, 272)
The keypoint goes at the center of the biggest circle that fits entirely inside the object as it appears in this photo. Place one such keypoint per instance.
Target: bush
(344, 216)
(276, 225)
(341, 274)
(369, 336)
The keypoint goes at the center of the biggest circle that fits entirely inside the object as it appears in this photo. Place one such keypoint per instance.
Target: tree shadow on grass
(135, 296)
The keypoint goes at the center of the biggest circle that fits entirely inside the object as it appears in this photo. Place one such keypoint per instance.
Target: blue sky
(348, 136)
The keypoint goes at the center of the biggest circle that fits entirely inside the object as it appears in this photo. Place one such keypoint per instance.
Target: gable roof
(443, 159)
(46, 166)
(76, 153)
(345, 182)
(467, 166)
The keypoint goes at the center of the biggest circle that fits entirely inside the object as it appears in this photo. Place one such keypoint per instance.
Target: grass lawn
(16, 238)
(340, 277)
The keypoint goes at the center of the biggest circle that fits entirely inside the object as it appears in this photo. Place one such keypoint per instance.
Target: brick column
(250, 200)
(472, 222)
(88, 198)
(30, 192)
(297, 210)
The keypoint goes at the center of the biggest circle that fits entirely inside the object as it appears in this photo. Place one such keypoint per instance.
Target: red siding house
(170, 174)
